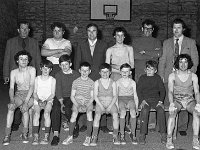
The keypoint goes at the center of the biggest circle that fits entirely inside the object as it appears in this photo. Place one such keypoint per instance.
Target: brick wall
(8, 22)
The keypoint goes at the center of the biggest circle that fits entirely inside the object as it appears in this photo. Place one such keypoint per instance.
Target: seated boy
(105, 95)
(82, 98)
(127, 99)
(23, 77)
(64, 79)
(43, 99)
(151, 94)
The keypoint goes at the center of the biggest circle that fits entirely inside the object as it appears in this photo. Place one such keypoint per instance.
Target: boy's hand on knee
(62, 108)
(24, 107)
(172, 108)
(108, 109)
(160, 104)
(143, 103)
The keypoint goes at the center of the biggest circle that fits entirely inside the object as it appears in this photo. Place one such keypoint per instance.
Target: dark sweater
(64, 83)
(150, 88)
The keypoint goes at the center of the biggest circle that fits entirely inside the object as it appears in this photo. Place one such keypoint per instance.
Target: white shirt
(180, 40)
(92, 45)
(51, 43)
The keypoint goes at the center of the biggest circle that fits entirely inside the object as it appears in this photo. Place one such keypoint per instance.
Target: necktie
(23, 44)
(176, 46)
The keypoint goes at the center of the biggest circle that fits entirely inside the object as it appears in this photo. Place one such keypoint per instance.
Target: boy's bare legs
(36, 117)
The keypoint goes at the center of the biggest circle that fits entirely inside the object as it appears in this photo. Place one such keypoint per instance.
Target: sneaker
(122, 139)
(163, 138)
(76, 131)
(46, 139)
(116, 140)
(68, 140)
(6, 140)
(195, 143)
(87, 141)
(127, 130)
(169, 143)
(35, 139)
(25, 138)
(133, 139)
(55, 141)
(93, 141)
(142, 139)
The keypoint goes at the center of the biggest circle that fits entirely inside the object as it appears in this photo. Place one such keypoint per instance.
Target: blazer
(12, 47)
(83, 53)
(166, 61)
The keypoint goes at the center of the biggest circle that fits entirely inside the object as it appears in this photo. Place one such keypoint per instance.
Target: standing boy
(151, 94)
(24, 77)
(43, 99)
(105, 95)
(127, 99)
(82, 98)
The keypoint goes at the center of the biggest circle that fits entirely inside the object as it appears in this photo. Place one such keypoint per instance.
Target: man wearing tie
(172, 47)
(14, 45)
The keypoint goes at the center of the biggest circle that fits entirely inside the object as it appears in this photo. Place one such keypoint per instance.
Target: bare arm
(196, 87)
(73, 92)
(114, 94)
(91, 99)
(108, 56)
(12, 83)
(32, 81)
(46, 51)
(96, 86)
(171, 87)
(131, 57)
(135, 95)
(35, 90)
(53, 89)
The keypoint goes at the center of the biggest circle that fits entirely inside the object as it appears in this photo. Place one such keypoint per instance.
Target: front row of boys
(108, 95)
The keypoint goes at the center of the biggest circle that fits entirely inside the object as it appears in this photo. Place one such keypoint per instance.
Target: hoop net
(110, 16)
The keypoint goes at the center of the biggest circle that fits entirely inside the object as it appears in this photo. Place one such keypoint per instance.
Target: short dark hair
(85, 64)
(16, 57)
(120, 29)
(151, 63)
(65, 58)
(126, 65)
(92, 25)
(19, 23)
(59, 25)
(179, 21)
(46, 63)
(181, 56)
(105, 66)
(148, 22)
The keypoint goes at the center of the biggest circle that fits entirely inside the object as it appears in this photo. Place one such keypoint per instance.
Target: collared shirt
(180, 40)
(92, 45)
(68, 72)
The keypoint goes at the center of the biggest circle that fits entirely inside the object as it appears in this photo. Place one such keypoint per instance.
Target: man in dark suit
(93, 51)
(172, 47)
(14, 45)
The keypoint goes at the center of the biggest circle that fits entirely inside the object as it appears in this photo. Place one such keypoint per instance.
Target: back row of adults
(96, 52)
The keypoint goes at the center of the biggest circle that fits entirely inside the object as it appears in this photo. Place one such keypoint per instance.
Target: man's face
(23, 61)
(178, 30)
(183, 64)
(65, 66)
(92, 33)
(23, 30)
(147, 30)
(105, 73)
(119, 36)
(58, 33)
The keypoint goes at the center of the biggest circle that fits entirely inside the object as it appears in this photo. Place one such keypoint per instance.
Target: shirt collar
(92, 43)
(68, 72)
(180, 39)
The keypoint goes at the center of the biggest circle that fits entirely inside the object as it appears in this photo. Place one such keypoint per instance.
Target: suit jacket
(12, 47)
(166, 62)
(83, 54)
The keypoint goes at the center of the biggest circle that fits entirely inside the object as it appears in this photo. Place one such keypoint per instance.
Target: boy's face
(58, 33)
(125, 72)
(183, 64)
(23, 61)
(119, 36)
(65, 66)
(85, 71)
(45, 71)
(150, 71)
(105, 73)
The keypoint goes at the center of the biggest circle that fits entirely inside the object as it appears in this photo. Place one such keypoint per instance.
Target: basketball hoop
(110, 16)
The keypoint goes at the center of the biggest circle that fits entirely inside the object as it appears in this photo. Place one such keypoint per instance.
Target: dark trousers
(145, 118)
(17, 117)
(68, 108)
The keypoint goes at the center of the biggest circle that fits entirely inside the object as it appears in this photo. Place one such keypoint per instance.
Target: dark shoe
(55, 141)
(142, 139)
(76, 131)
(83, 128)
(104, 129)
(15, 127)
(183, 133)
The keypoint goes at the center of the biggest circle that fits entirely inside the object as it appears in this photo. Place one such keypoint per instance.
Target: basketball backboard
(121, 9)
